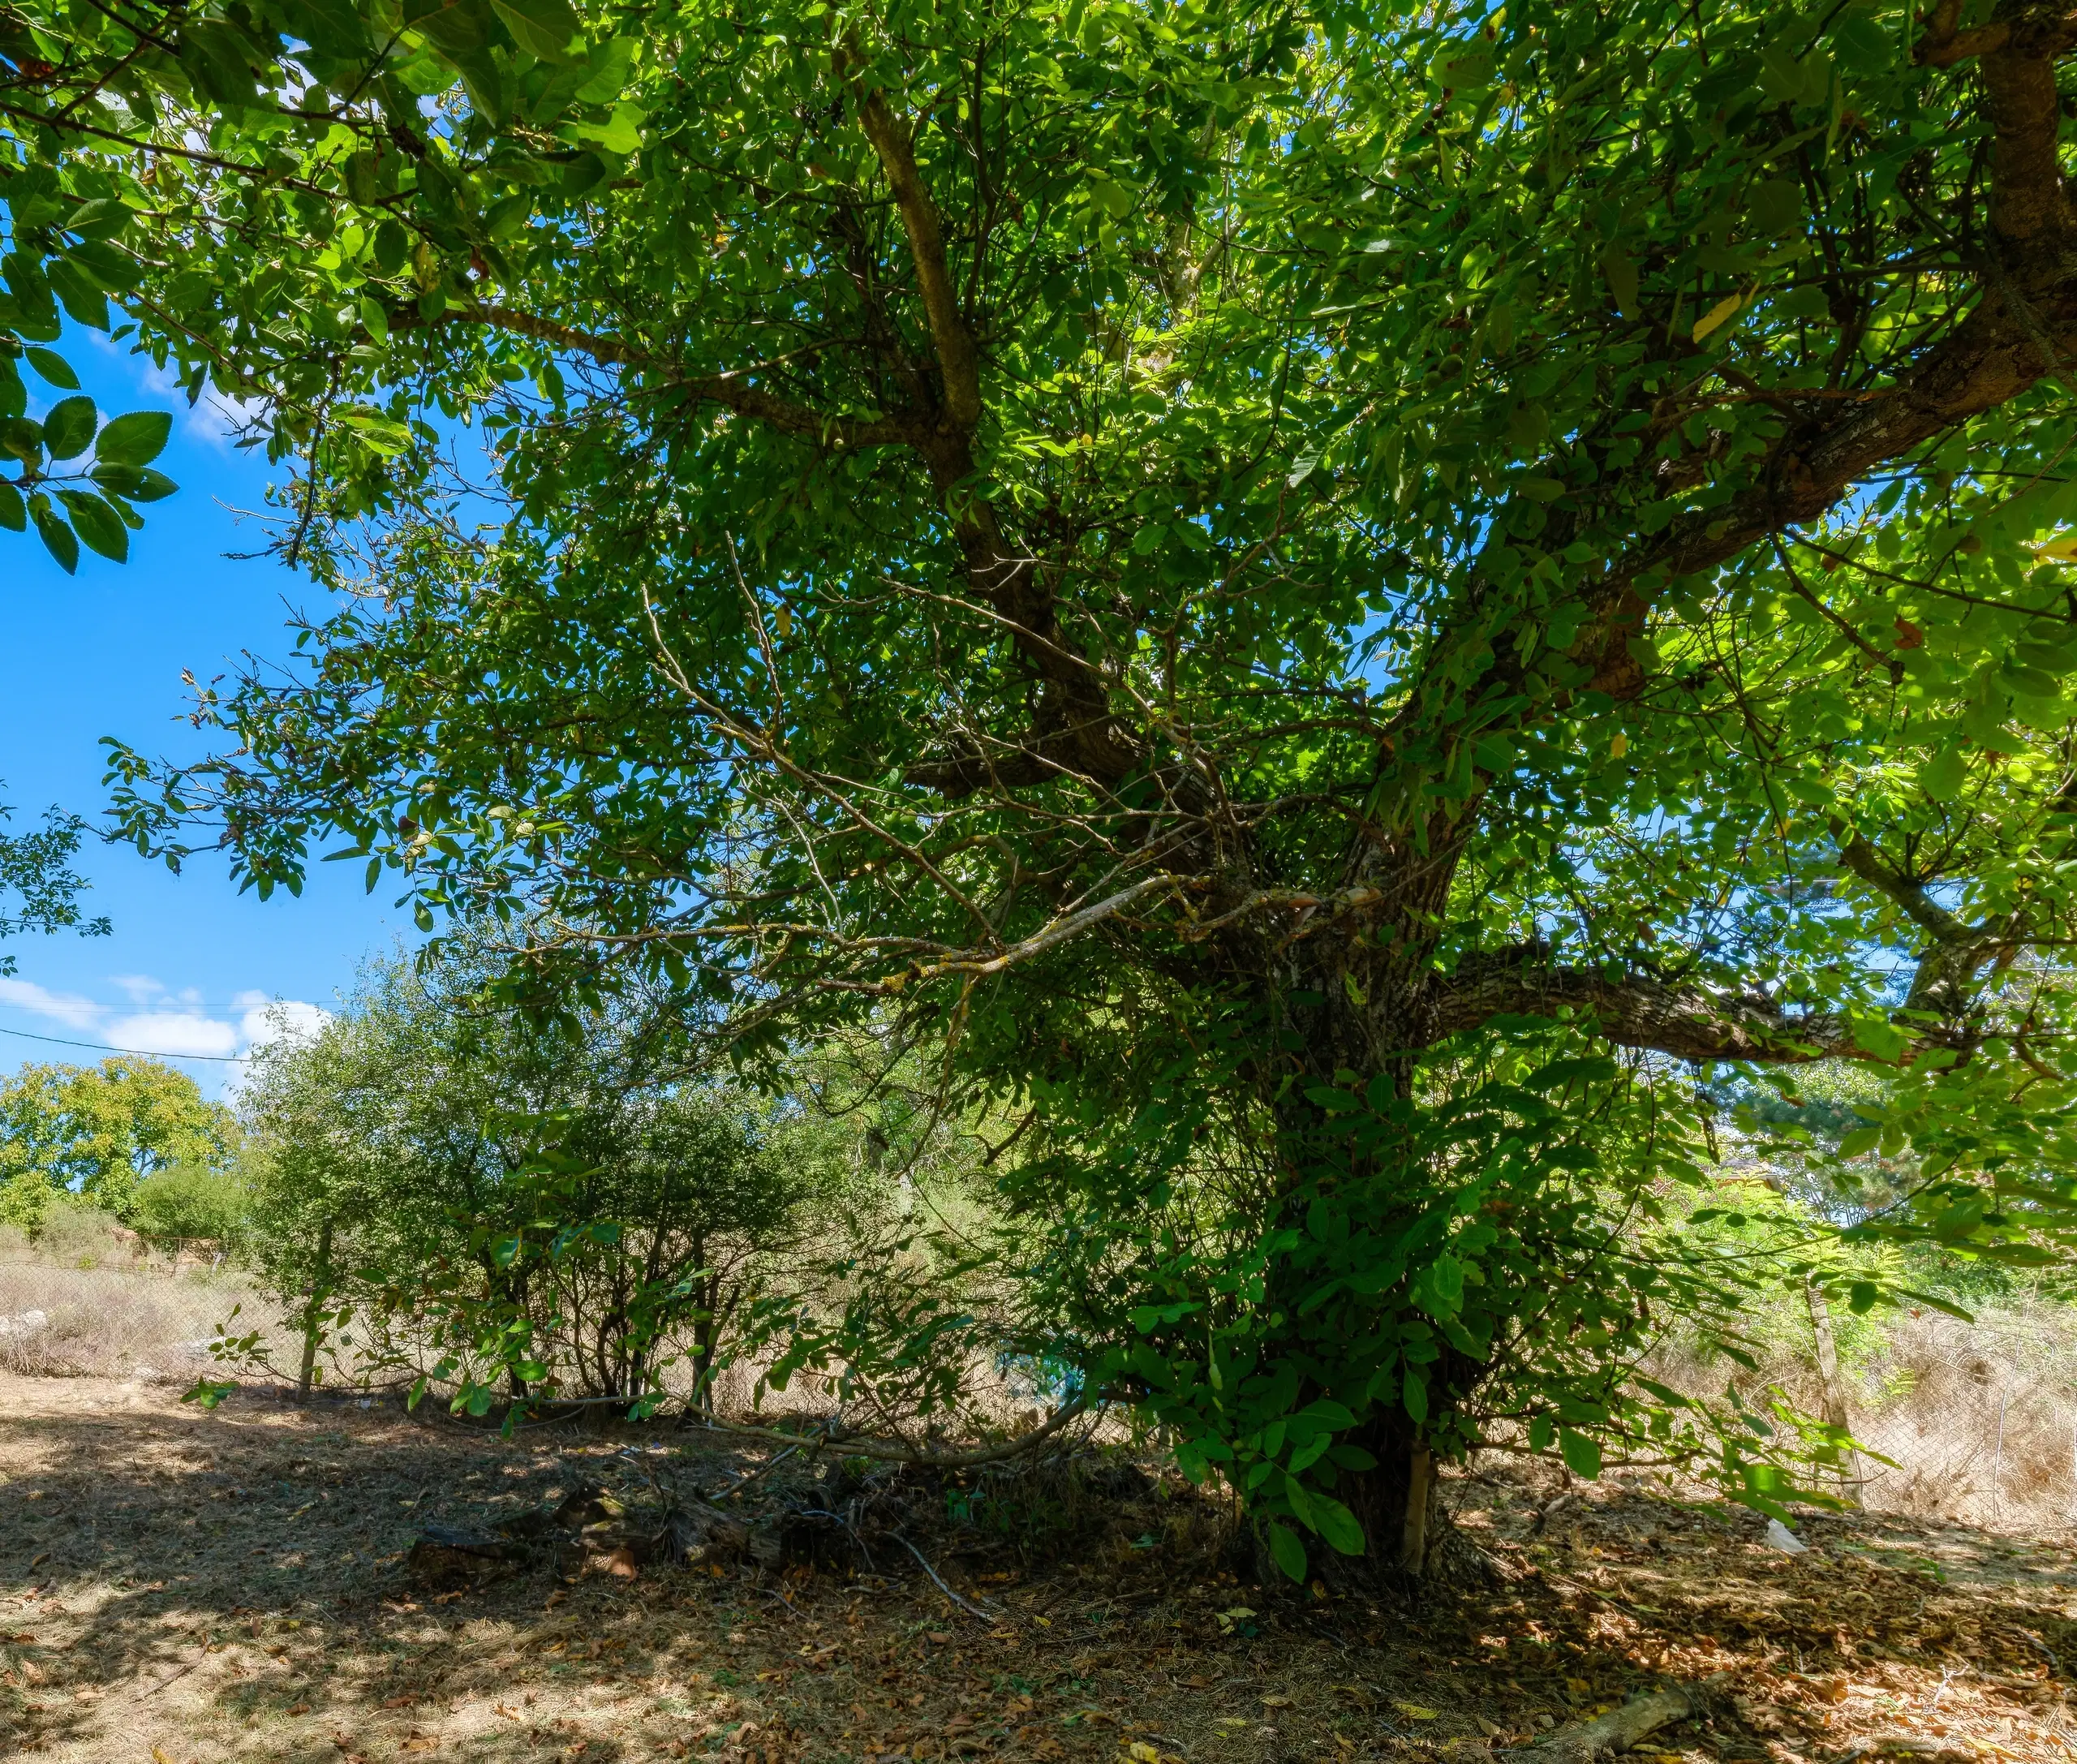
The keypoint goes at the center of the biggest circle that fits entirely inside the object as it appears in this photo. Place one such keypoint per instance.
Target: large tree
(1288, 579)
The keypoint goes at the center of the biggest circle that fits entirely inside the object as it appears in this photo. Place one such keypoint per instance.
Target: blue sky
(192, 964)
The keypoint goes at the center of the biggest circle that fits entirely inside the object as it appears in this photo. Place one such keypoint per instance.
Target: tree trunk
(1396, 1504)
(320, 1280)
(1828, 1378)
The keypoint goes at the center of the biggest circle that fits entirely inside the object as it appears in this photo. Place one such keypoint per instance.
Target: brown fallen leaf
(298, 1709)
(404, 1701)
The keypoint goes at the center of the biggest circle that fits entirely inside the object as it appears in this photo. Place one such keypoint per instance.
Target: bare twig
(971, 1609)
(855, 1447)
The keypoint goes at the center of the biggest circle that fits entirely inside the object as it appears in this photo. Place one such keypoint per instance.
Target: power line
(142, 1053)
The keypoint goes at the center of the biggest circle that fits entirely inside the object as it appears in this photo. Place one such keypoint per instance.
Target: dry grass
(1976, 1419)
(1980, 1420)
(204, 1588)
(108, 1319)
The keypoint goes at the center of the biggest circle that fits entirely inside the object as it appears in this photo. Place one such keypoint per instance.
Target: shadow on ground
(186, 1588)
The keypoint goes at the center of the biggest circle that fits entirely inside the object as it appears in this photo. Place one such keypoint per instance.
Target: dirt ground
(178, 1587)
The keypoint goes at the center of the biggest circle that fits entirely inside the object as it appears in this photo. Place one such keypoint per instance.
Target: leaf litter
(239, 1586)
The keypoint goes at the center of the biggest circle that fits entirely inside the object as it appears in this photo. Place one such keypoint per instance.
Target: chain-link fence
(1974, 1422)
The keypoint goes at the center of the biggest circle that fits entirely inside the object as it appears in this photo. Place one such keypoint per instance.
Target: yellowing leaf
(2063, 550)
(1413, 1711)
(1618, 746)
(1725, 309)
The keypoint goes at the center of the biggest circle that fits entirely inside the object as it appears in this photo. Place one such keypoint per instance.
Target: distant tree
(99, 1131)
(191, 1202)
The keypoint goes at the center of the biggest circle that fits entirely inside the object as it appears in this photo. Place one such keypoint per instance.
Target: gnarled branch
(1687, 1020)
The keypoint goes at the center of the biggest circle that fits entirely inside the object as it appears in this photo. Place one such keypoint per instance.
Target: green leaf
(1620, 269)
(53, 367)
(458, 28)
(1582, 1454)
(1774, 207)
(218, 57)
(59, 539)
(99, 527)
(77, 294)
(609, 65)
(332, 26)
(134, 439)
(1338, 1525)
(1942, 777)
(1862, 46)
(14, 516)
(1416, 1396)
(1946, 1305)
(622, 133)
(1289, 1553)
(68, 429)
(544, 29)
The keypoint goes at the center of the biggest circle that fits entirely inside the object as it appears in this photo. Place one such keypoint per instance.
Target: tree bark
(1617, 1731)
(1398, 1504)
(1828, 1379)
(320, 1280)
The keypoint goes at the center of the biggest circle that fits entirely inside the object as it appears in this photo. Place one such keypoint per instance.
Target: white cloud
(173, 1033)
(170, 1025)
(278, 1019)
(67, 1008)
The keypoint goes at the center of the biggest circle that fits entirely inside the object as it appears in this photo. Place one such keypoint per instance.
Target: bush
(445, 1188)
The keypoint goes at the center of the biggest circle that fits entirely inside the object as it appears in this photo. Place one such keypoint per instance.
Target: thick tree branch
(958, 360)
(731, 391)
(1863, 860)
(1947, 971)
(1688, 1021)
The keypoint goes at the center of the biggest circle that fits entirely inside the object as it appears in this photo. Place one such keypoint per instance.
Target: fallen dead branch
(971, 1609)
(888, 1452)
(1617, 1731)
